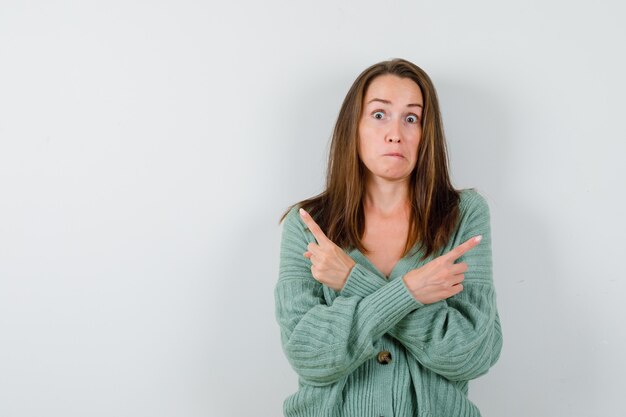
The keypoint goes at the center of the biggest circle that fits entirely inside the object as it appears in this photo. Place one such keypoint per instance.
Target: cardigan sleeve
(324, 343)
(459, 338)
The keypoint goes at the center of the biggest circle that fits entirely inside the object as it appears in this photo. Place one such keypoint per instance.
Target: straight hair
(339, 210)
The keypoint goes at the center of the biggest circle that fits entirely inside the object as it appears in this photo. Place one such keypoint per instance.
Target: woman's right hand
(440, 278)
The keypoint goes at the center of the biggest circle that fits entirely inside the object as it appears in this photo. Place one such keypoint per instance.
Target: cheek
(366, 147)
(367, 135)
(415, 148)
(363, 139)
(416, 137)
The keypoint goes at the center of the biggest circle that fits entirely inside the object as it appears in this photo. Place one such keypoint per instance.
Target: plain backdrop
(148, 149)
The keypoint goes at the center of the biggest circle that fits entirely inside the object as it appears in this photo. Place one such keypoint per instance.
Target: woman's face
(390, 128)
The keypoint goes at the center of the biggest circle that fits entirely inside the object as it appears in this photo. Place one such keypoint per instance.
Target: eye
(382, 113)
(412, 118)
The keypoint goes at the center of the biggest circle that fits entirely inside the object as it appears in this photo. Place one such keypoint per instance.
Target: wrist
(350, 267)
(406, 277)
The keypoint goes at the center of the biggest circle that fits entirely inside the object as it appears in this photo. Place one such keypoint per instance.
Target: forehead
(395, 89)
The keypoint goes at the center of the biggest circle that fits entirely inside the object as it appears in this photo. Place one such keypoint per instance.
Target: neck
(386, 198)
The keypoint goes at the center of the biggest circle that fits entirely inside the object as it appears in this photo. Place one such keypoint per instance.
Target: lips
(396, 154)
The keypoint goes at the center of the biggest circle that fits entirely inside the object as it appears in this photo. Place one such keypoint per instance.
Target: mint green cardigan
(332, 339)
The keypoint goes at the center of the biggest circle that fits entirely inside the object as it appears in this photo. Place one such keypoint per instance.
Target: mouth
(394, 154)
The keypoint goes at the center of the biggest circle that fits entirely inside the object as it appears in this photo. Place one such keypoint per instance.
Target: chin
(393, 177)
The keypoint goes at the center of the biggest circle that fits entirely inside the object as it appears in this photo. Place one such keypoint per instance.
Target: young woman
(385, 298)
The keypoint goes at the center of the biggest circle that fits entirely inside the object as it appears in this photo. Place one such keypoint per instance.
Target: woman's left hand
(331, 265)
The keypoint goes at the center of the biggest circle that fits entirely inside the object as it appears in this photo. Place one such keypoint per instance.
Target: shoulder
(293, 226)
(294, 241)
(472, 202)
(474, 211)
(292, 218)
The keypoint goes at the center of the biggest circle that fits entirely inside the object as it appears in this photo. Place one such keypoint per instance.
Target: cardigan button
(384, 357)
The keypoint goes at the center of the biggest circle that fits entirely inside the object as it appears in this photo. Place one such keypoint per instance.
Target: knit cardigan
(332, 338)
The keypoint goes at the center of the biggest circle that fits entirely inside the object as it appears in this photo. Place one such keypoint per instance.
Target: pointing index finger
(313, 227)
(464, 247)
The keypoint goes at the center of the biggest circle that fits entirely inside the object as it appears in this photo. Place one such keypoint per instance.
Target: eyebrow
(389, 102)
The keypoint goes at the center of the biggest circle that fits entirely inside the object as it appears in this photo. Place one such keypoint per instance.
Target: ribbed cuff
(361, 282)
(389, 305)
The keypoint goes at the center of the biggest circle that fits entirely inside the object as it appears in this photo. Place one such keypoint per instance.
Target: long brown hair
(434, 202)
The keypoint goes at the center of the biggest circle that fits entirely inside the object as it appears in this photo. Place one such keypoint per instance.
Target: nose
(394, 133)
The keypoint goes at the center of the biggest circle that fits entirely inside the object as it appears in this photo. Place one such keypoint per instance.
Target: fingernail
(302, 211)
(478, 238)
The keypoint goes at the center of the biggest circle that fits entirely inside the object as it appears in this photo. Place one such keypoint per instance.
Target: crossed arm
(459, 338)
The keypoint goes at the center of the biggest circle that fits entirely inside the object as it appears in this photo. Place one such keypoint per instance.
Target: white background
(147, 150)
